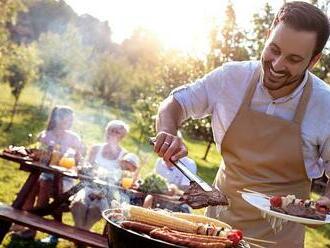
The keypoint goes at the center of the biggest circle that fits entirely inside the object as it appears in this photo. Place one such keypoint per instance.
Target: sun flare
(183, 25)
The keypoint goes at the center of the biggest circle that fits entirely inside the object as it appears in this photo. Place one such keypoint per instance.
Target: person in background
(106, 156)
(131, 163)
(58, 133)
(177, 184)
(106, 162)
(172, 174)
(88, 204)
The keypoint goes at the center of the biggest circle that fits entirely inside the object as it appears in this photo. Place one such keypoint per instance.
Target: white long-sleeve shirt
(220, 94)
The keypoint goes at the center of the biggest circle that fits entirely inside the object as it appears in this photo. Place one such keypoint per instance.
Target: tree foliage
(145, 110)
(232, 41)
(23, 68)
(78, 56)
(65, 62)
(262, 22)
(8, 14)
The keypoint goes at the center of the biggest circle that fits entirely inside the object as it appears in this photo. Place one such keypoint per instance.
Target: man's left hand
(324, 201)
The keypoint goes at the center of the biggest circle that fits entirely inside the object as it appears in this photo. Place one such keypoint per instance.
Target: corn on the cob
(161, 219)
(201, 219)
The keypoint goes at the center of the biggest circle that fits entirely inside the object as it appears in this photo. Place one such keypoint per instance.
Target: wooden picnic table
(34, 217)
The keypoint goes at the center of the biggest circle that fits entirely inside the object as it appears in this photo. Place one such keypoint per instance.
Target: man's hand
(169, 147)
(324, 201)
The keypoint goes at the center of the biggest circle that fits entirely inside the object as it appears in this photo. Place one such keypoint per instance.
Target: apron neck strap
(302, 105)
(251, 88)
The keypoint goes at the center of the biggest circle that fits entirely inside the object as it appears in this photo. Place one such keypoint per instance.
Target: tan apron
(263, 153)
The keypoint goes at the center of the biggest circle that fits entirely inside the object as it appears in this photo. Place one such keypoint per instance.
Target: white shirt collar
(295, 93)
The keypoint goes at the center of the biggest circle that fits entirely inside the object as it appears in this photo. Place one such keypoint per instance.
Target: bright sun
(183, 24)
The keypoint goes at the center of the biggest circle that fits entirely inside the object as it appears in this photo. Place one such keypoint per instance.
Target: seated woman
(109, 161)
(58, 134)
(106, 156)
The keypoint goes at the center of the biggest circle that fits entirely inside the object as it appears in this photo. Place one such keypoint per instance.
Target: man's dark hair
(303, 16)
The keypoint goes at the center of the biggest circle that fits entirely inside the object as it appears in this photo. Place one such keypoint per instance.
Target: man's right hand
(169, 147)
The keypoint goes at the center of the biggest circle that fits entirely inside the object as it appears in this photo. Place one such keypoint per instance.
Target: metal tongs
(186, 172)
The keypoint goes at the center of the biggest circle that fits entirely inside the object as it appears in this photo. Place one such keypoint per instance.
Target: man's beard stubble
(273, 85)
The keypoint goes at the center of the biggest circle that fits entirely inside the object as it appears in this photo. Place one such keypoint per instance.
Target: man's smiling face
(286, 56)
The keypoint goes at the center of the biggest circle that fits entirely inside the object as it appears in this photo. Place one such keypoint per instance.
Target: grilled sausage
(138, 226)
(167, 236)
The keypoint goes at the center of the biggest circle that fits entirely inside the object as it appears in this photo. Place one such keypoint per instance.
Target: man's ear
(314, 60)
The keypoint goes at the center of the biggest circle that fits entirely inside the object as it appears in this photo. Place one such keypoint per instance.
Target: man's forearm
(169, 116)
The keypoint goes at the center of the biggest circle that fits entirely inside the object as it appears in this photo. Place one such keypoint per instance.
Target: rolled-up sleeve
(197, 99)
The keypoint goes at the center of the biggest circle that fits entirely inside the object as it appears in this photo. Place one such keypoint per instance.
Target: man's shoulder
(238, 71)
(321, 90)
(319, 102)
(248, 65)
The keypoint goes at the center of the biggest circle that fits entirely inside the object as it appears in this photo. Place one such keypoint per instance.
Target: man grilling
(270, 120)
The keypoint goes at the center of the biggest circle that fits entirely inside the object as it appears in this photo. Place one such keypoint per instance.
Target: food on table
(302, 208)
(154, 183)
(26, 153)
(196, 197)
(17, 150)
(181, 229)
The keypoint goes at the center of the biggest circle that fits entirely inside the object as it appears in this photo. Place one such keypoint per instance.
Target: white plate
(264, 205)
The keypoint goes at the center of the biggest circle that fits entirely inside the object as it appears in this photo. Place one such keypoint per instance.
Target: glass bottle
(56, 155)
(46, 152)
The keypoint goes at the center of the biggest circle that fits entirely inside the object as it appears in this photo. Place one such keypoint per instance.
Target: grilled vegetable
(154, 183)
(161, 219)
(201, 219)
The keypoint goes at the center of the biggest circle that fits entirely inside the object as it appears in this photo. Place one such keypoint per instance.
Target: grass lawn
(89, 123)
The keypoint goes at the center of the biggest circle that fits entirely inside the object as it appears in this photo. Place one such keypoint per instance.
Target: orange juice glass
(126, 182)
(67, 162)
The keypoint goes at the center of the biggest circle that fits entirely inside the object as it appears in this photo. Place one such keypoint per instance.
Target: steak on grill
(196, 197)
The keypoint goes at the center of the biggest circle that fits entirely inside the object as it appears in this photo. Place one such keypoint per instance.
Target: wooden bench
(33, 221)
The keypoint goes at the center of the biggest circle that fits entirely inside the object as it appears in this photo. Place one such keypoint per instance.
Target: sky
(179, 24)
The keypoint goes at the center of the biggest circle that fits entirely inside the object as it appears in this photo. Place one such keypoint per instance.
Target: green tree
(232, 41)
(111, 80)
(142, 47)
(8, 13)
(22, 70)
(145, 110)
(322, 68)
(65, 62)
(177, 70)
(226, 44)
(261, 25)
(213, 56)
